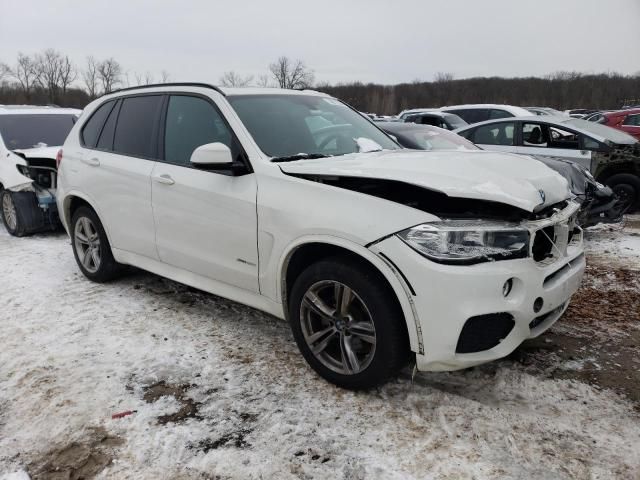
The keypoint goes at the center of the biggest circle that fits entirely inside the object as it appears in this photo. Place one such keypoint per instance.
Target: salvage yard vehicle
(481, 112)
(293, 203)
(627, 120)
(30, 138)
(612, 156)
(598, 203)
(436, 118)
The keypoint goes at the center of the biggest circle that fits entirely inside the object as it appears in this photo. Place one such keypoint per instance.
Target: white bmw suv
(295, 204)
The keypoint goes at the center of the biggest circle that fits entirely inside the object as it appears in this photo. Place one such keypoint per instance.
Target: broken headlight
(466, 242)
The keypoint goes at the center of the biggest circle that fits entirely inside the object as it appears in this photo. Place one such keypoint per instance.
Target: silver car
(612, 156)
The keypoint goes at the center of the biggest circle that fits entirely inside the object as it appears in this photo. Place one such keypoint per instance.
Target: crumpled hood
(39, 152)
(499, 177)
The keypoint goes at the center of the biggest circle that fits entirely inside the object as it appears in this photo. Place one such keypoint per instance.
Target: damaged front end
(31, 189)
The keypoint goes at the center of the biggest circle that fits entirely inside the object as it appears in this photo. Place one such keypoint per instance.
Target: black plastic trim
(177, 84)
(406, 280)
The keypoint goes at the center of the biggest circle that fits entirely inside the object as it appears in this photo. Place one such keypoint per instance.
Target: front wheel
(10, 215)
(627, 187)
(91, 247)
(348, 324)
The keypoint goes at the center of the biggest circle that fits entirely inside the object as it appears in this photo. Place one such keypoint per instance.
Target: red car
(626, 120)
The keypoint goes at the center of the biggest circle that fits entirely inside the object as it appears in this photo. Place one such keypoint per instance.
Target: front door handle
(92, 162)
(164, 179)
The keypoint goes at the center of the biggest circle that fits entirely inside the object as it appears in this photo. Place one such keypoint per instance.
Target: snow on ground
(220, 391)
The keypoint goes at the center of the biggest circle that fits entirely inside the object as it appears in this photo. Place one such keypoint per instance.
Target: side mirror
(212, 156)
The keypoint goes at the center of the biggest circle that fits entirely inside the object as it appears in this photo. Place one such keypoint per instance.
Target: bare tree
(232, 79)
(443, 77)
(4, 70)
(263, 81)
(90, 77)
(26, 72)
(68, 74)
(109, 74)
(164, 76)
(291, 73)
(146, 79)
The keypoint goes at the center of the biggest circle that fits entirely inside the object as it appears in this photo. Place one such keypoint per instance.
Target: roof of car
(595, 130)
(436, 113)
(401, 126)
(626, 111)
(510, 108)
(230, 91)
(36, 110)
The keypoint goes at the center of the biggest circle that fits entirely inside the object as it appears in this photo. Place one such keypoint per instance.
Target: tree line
(50, 77)
(561, 90)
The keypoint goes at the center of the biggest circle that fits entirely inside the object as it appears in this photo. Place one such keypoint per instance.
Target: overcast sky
(384, 41)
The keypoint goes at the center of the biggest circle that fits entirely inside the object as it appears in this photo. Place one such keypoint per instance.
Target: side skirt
(252, 299)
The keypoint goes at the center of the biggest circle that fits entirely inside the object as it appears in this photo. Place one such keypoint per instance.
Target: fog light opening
(537, 304)
(506, 288)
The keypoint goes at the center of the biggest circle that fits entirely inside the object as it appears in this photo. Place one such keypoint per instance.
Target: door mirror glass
(212, 155)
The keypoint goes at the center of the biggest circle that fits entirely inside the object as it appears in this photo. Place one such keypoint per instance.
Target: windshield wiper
(299, 156)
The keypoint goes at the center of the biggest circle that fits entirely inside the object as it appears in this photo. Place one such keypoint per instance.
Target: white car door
(549, 141)
(206, 221)
(116, 166)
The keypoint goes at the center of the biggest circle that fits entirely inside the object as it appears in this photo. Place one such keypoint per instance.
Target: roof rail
(176, 84)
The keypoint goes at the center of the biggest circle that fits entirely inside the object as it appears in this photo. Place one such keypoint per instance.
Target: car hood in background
(39, 152)
(498, 177)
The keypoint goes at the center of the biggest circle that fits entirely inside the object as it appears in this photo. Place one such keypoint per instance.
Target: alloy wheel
(9, 211)
(87, 243)
(337, 327)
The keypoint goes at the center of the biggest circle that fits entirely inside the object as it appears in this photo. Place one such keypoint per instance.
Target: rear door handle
(93, 162)
(164, 179)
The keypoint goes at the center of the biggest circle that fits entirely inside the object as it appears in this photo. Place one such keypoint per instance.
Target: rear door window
(495, 134)
(137, 126)
(93, 127)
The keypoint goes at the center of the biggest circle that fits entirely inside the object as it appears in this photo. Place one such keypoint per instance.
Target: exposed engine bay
(35, 199)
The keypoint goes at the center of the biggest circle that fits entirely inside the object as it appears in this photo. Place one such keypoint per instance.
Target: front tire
(10, 215)
(91, 247)
(627, 187)
(348, 324)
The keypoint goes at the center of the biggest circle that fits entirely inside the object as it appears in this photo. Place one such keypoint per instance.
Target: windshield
(455, 121)
(287, 125)
(440, 140)
(20, 131)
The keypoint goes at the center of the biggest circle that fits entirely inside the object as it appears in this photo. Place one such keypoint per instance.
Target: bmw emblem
(542, 195)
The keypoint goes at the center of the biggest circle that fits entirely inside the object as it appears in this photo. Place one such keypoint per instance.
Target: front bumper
(445, 297)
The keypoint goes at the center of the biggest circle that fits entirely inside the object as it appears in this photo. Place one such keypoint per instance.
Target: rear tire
(91, 247)
(10, 215)
(627, 187)
(348, 324)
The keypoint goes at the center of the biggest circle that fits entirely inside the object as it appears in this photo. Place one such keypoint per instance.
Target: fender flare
(394, 278)
(65, 216)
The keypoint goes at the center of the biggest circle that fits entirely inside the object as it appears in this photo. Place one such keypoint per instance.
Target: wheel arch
(71, 202)
(306, 251)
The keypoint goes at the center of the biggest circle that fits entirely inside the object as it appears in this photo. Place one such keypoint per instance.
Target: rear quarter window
(91, 130)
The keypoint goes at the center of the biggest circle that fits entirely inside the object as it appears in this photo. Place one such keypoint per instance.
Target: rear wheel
(627, 187)
(348, 324)
(10, 217)
(91, 247)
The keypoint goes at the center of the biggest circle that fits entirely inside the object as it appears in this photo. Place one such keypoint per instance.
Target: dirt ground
(146, 378)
